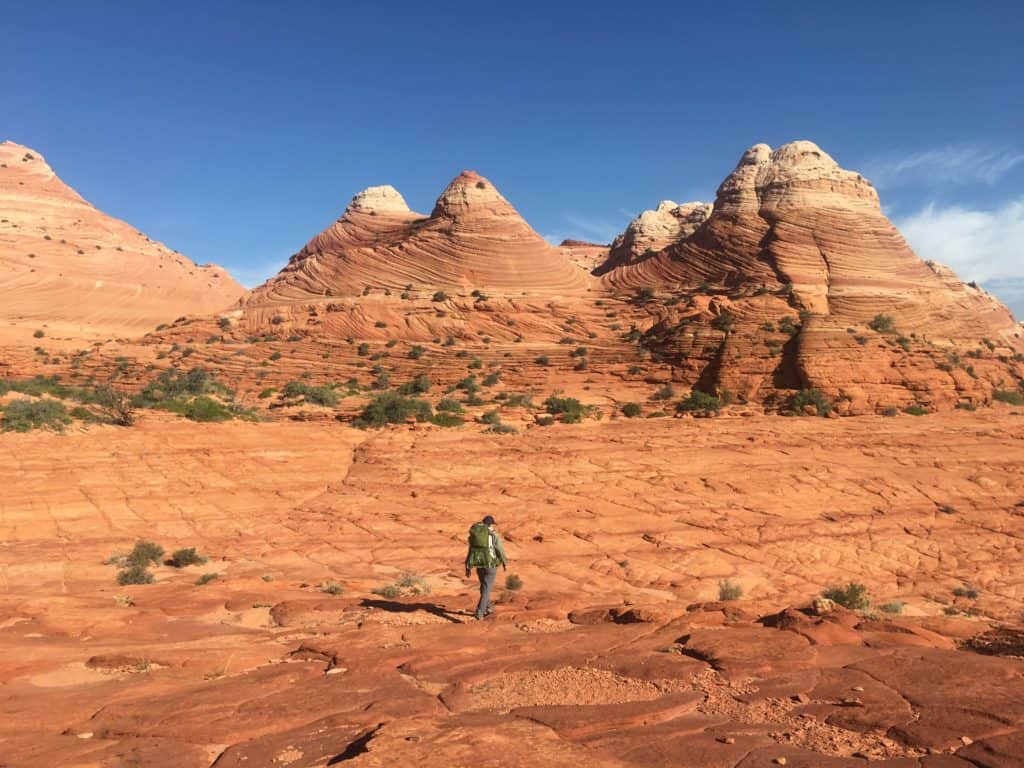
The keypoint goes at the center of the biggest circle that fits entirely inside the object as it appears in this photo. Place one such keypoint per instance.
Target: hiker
(485, 554)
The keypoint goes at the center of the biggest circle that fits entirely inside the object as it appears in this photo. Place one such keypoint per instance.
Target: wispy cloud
(978, 244)
(594, 228)
(955, 164)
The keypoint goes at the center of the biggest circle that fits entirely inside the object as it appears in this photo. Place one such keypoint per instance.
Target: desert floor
(615, 651)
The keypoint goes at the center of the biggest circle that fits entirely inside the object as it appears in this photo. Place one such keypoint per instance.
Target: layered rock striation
(67, 265)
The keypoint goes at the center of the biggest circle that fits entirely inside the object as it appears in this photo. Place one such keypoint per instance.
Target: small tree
(115, 405)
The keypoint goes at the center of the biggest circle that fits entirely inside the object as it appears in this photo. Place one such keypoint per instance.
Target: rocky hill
(75, 270)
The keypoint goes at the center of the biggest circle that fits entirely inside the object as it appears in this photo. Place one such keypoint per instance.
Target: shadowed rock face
(66, 264)
(474, 238)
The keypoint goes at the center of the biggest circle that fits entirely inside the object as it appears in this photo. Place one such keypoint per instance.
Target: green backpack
(481, 547)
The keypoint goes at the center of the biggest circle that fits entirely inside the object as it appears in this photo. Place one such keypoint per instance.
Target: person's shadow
(392, 606)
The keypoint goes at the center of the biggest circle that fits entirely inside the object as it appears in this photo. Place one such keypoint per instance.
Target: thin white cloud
(955, 164)
(982, 245)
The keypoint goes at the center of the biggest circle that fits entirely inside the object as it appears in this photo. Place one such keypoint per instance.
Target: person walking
(485, 553)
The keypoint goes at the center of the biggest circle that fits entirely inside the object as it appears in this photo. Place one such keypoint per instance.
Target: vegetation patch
(805, 398)
(392, 408)
(699, 402)
(853, 596)
(729, 590)
(569, 408)
(28, 415)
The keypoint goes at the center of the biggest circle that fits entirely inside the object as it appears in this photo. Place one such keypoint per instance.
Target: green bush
(145, 552)
(491, 417)
(439, 296)
(39, 334)
(729, 590)
(882, 323)
(416, 352)
(325, 396)
(666, 392)
(502, 429)
(542, 360)
(185, 557)
(446, 419)
(723, 321)
(26, 415)
(631, 410)
(569, 408)
(1008, 396)
(450, 405)
(513, 583)
(853, 596)
(894, 607)
(971, 593)
(491, 379)
(698, 401)
(805, 397)
(206, 578)
(392, 408)
(331, 588)
(418, 386)
(206, 409)
(134, 574)
(390, 591)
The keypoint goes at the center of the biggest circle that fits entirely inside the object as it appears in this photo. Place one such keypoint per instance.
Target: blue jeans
(487, 578)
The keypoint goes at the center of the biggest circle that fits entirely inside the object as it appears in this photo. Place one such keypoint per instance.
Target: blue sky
(234, 131)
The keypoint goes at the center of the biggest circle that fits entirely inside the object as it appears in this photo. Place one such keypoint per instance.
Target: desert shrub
(439, 296)
(331, 588)
(569, 408)
(853, 596)
(268, 392)
(805, 397)
(723, 321)
(545, 421)
(890, 411)
(380, 324)
(882, 323)
(277, 319)
(502, 429)
(789, 326)
(903, 342)
(418, 386)
(415, 583)
(519, 400)
(971, 593)
(363, 349)
(115, 406)
(446, 419)
(416, 352)
(491, 417)
(513, 583)
(134, 574)
(144, 553)
(206, 578)
(631, 410)
(185, 557)
(664, 393)
(915, 410)
(224, 323)
(390, 591)
(946, 509)
(699, 401)
(392, 408)
(1008, 396)
(39, 334)
(893, 607)
(542, 360)
(206, 409)
(657, 415)
(729, 590)
(26, 415)
(491, 379)
(450, 405)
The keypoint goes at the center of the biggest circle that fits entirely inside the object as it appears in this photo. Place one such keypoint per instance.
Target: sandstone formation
(615, 651)
(652, 231)
(473, 239)
(78, 272)
(797, 280)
